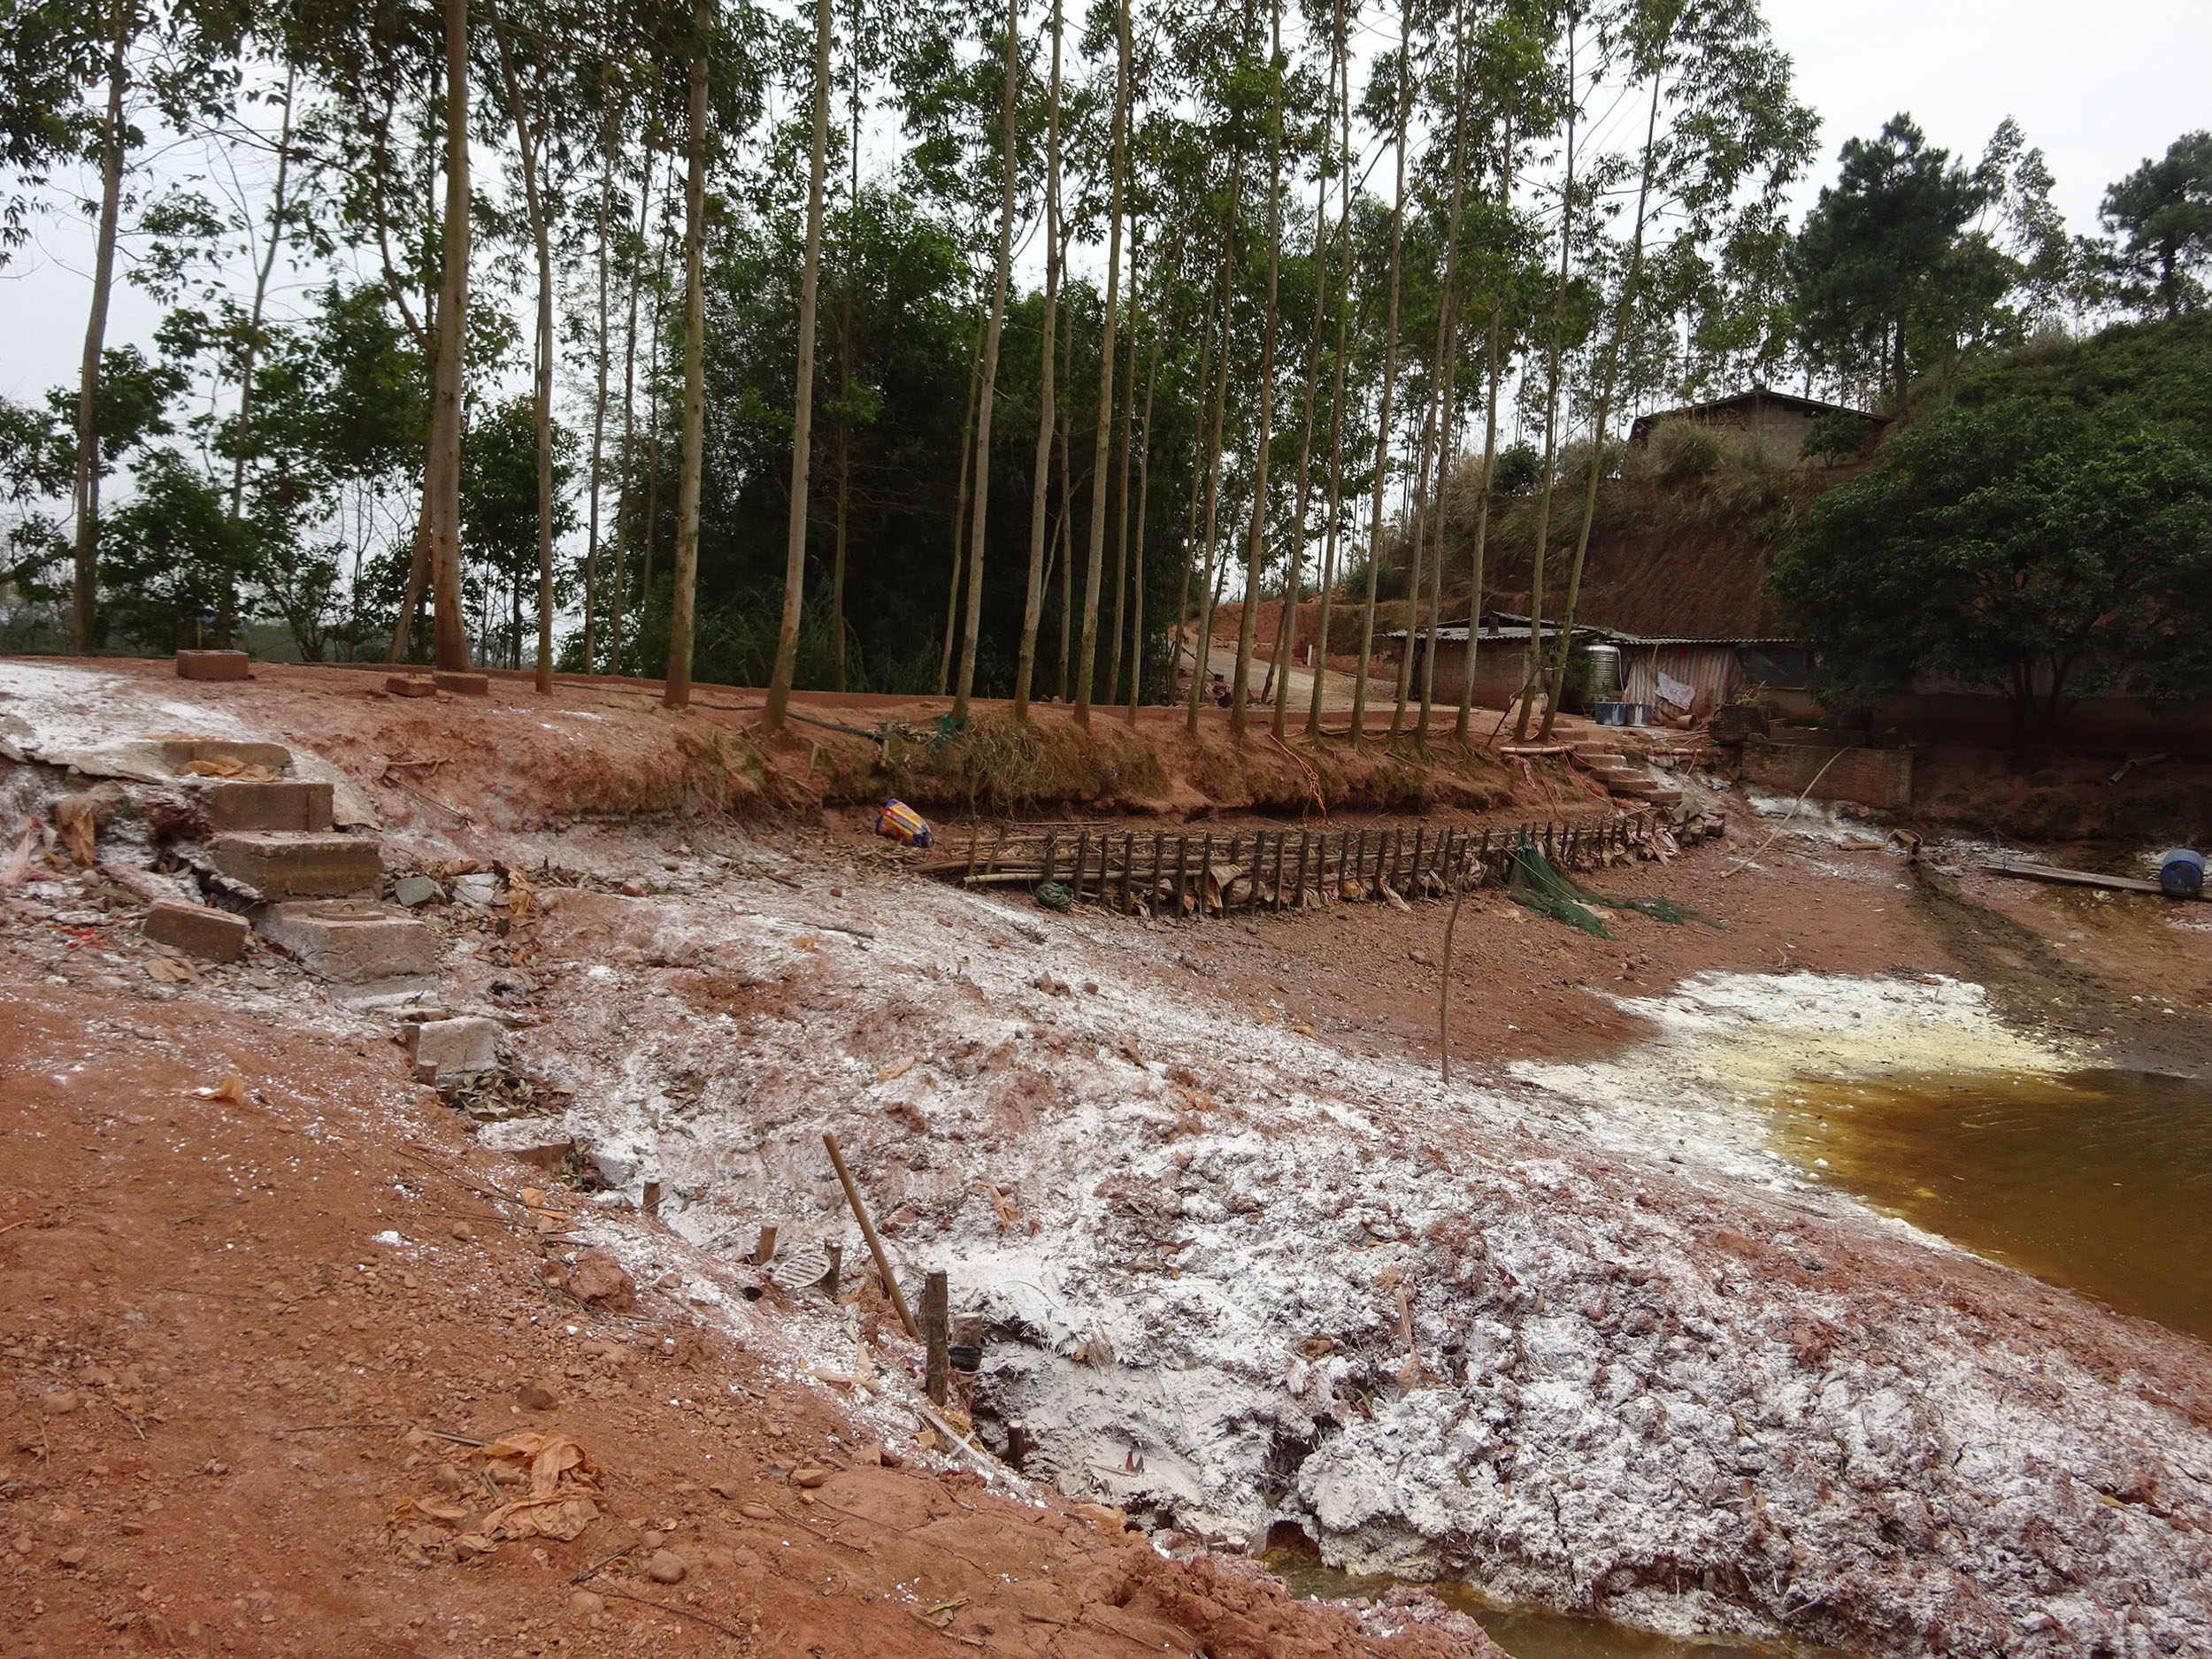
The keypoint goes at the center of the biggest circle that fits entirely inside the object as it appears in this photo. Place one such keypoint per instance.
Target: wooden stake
(1052, 843)
(764, 1247)
(836, 1252)
(1082, 858)
(1444, 989)
(868, 1232)
(935, 1334)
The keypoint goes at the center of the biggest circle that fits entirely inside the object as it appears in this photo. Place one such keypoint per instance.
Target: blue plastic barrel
(2181, 873)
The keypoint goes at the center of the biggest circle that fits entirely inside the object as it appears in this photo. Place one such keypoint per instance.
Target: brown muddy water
(1528, 1632)
(2101, 1181)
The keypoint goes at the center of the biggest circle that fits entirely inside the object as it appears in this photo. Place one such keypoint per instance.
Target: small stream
(1529, 1633)
(2098, 1180)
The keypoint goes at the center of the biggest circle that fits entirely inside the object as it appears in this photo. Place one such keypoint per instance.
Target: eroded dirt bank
(1568, 1328)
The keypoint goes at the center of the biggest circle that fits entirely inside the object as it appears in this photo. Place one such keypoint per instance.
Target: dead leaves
(232, 1088)
(561, 1502)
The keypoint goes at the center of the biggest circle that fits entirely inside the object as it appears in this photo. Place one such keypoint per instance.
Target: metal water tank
(1605, 671)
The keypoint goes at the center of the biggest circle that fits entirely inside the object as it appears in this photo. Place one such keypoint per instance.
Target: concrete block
(214, 666)
(279, 865)
(1872, 777)
(198, 931)
(463, 685)
(178, 752)
(411, 685)
(443, 1048)
(285, 805)
(352, 944)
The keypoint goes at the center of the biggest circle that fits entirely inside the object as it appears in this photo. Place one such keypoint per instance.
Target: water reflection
(2098, 1180)
(1527, 1632)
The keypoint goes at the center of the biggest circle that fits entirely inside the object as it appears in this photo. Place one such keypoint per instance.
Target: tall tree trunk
(622, 505)
(960, 515)
(441, 476)
(1336, 405)
(1047, 407)
(676, 689)
(1092, 575)
(1551, 406)
(1416, 524)
(1389, 385)
(1064, 533)
(1492, 367)
(242, 427)
(599, 403)
(1255, 547)
(1121, 513)
(1197, 487)
(1209, 591)
(845, 370)
(1144, 497)
(803, 414)
(1622, 315)
(534, 201)
(651, 543)
(1448, 324)
(978, 513)
(1286, 626)
(84, 615)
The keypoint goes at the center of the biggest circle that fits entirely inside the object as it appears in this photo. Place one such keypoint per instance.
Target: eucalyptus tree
(1731, 120)
(1400, 105)
(1118, 167)
(1048, 406)
(1264, 382)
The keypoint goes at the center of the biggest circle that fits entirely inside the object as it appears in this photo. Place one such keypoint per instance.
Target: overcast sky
(2098, 87)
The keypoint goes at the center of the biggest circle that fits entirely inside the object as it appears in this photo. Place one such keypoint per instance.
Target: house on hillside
(1669, 674)
(1774, 419)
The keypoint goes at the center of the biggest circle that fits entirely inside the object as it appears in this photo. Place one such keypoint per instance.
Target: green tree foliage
(2019, 545)
(1889, 267)
(2161, 215)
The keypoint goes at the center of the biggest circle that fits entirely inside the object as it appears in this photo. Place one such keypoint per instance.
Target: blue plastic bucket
(2181, 873)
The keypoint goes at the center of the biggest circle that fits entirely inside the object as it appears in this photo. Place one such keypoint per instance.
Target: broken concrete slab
(463, 685)
(448, 1048)
(286, 804)
(411, 685)
(279, 865)
(214, 666)
(352, 944)
(198, 930)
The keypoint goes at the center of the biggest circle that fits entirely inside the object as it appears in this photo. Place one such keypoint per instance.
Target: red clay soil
(230, 1429)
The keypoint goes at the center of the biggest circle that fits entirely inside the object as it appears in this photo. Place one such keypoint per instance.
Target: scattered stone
(198, 930)
(414, 891)
(214, 666)
(584, 1604)
(57, 1402)
(540, 1393)
(755, 1511)
(665, 1566)
(869, 1455)
(633, 889)
(668, 1281)
(721, 1489)
(598, 1278)
(481, 890)
(72, 1556)
(446, 1047)
(810, 1475)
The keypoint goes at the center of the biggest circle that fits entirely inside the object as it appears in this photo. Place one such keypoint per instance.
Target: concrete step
(1592, 753)
(365, 947)
(286, 864)
(1639, 785)
(179, 752)
(197, 929)
(288, 804)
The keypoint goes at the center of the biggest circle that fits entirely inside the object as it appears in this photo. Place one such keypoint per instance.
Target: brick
(411, 685)
(196, 930)
(1872, 777)
(444, 1048)
(352, 944)
(214, 666)
(279, 865)
(178, 752)
(285, 805)
(463, 685)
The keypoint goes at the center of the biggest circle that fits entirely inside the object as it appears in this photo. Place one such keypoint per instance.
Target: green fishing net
(1535, 883)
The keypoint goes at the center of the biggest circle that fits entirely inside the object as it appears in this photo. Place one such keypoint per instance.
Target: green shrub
(1683, 452)
(1835, 439)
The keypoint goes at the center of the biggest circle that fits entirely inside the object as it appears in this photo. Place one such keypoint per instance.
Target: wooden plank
(1182, 870)
(1082, 858)
(1052, 842)
(2062, 877)
(1305, 847)
(1282, 843)
(1205, 871)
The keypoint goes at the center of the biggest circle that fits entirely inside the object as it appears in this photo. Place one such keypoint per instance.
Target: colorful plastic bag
(901, 823)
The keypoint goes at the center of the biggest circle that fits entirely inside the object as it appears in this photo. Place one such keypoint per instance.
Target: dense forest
(927, 347)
